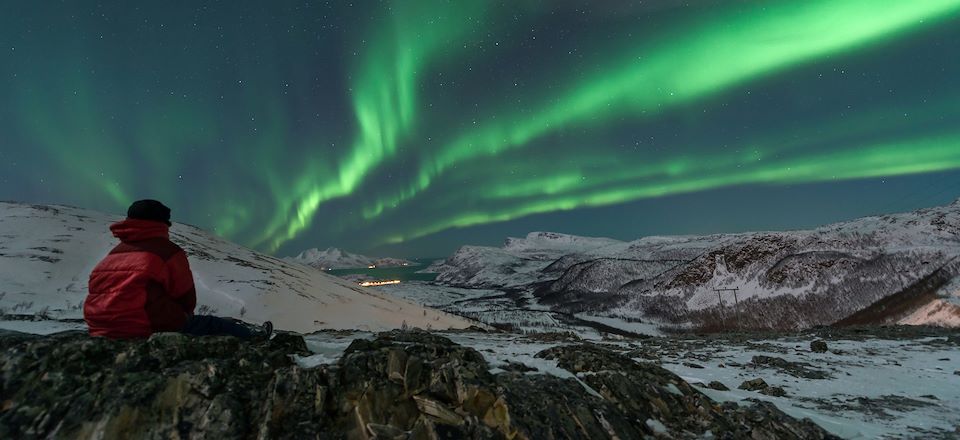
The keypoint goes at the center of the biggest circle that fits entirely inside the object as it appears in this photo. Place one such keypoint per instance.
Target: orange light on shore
(378, 283)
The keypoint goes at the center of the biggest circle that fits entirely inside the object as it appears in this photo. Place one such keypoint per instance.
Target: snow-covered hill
(519, 262)
(793, 279)
(333, 258)
(47, 253)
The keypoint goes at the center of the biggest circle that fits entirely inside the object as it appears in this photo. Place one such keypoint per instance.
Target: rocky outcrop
(399, 385)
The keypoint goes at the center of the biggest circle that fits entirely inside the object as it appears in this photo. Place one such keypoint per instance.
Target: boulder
(818, 346)
(773, 391)
(753, 385)
(715, 385)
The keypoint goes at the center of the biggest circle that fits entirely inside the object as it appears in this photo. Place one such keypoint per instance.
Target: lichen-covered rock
(774, 391)
(646, 391)
(400, 385)
(170, 386)
(753, 384)
(716, 385)
(818, 346)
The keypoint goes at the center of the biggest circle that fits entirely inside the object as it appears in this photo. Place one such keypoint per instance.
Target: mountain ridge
(785, 280)
(335, 258)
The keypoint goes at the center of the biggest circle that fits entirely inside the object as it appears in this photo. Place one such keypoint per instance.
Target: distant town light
(378, 283)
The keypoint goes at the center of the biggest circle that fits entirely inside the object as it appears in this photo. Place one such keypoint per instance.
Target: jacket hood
(131, 230)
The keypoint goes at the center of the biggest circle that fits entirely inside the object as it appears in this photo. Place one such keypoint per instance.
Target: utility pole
(736, 301)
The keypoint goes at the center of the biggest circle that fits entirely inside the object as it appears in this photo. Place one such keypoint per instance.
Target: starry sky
(407, 128)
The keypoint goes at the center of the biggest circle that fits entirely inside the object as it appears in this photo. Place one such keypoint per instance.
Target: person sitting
(144, 285)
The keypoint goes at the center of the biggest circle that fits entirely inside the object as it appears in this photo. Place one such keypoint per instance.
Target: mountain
(333, 258)
(519, 262)
(47, 253)
(874, 270)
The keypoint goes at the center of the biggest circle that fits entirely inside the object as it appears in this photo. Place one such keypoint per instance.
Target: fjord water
(402, 273)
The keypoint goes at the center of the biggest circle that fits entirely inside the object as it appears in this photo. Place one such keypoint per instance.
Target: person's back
(144, 285)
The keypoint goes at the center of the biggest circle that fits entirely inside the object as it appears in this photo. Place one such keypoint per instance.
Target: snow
(938, 312)
(42, 327)
(871, 369)
(878, 388)
(518, 262)
(791, 279)
(333, 258)
(47, 253)
(656, 426)
(328, 347)
(536, 242)
(646, 327)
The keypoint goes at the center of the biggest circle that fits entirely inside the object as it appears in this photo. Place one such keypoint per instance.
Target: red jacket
(144, 285)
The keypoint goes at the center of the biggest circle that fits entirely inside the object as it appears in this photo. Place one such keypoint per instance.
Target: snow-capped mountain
(519, 262)
(333, 258)
(47, 253)
(891, 268)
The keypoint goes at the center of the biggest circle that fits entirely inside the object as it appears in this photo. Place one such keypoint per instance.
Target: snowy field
(496, 308)
(873, 388)
(862, 388)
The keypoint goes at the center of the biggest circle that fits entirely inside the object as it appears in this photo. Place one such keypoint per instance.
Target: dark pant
(205, 325)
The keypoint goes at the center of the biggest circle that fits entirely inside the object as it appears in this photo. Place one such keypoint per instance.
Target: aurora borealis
(409, 127)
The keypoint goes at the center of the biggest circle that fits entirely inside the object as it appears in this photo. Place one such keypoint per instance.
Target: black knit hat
(149, 210)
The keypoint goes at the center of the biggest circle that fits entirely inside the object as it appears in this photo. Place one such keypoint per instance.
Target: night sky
(410, 127)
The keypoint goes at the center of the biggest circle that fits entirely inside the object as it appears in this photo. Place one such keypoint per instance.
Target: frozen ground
(43, 327)
(880, 382)
(517, 312)
(873, 388)
(866, 386)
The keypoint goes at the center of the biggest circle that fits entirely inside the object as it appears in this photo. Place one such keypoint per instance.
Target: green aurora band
(392, 155)
(714, 55)
(384, 104)
(567, 190)
(718, 54)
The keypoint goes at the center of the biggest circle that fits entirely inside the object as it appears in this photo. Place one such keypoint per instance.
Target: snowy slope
(333, 258)
(799, 279)
(520, 261)
(792, 279)
(47, 253)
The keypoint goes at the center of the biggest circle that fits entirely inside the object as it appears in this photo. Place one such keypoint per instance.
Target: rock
(795, 369)
(73, 386)
(753, 385)
(714, 385)
(517, 367)
(957, 372)
(773, 391)
(818, 346)
(386, 431)
(553, 337)
(401, 384)
(645, 391)
(692, 365)
(438, 411)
